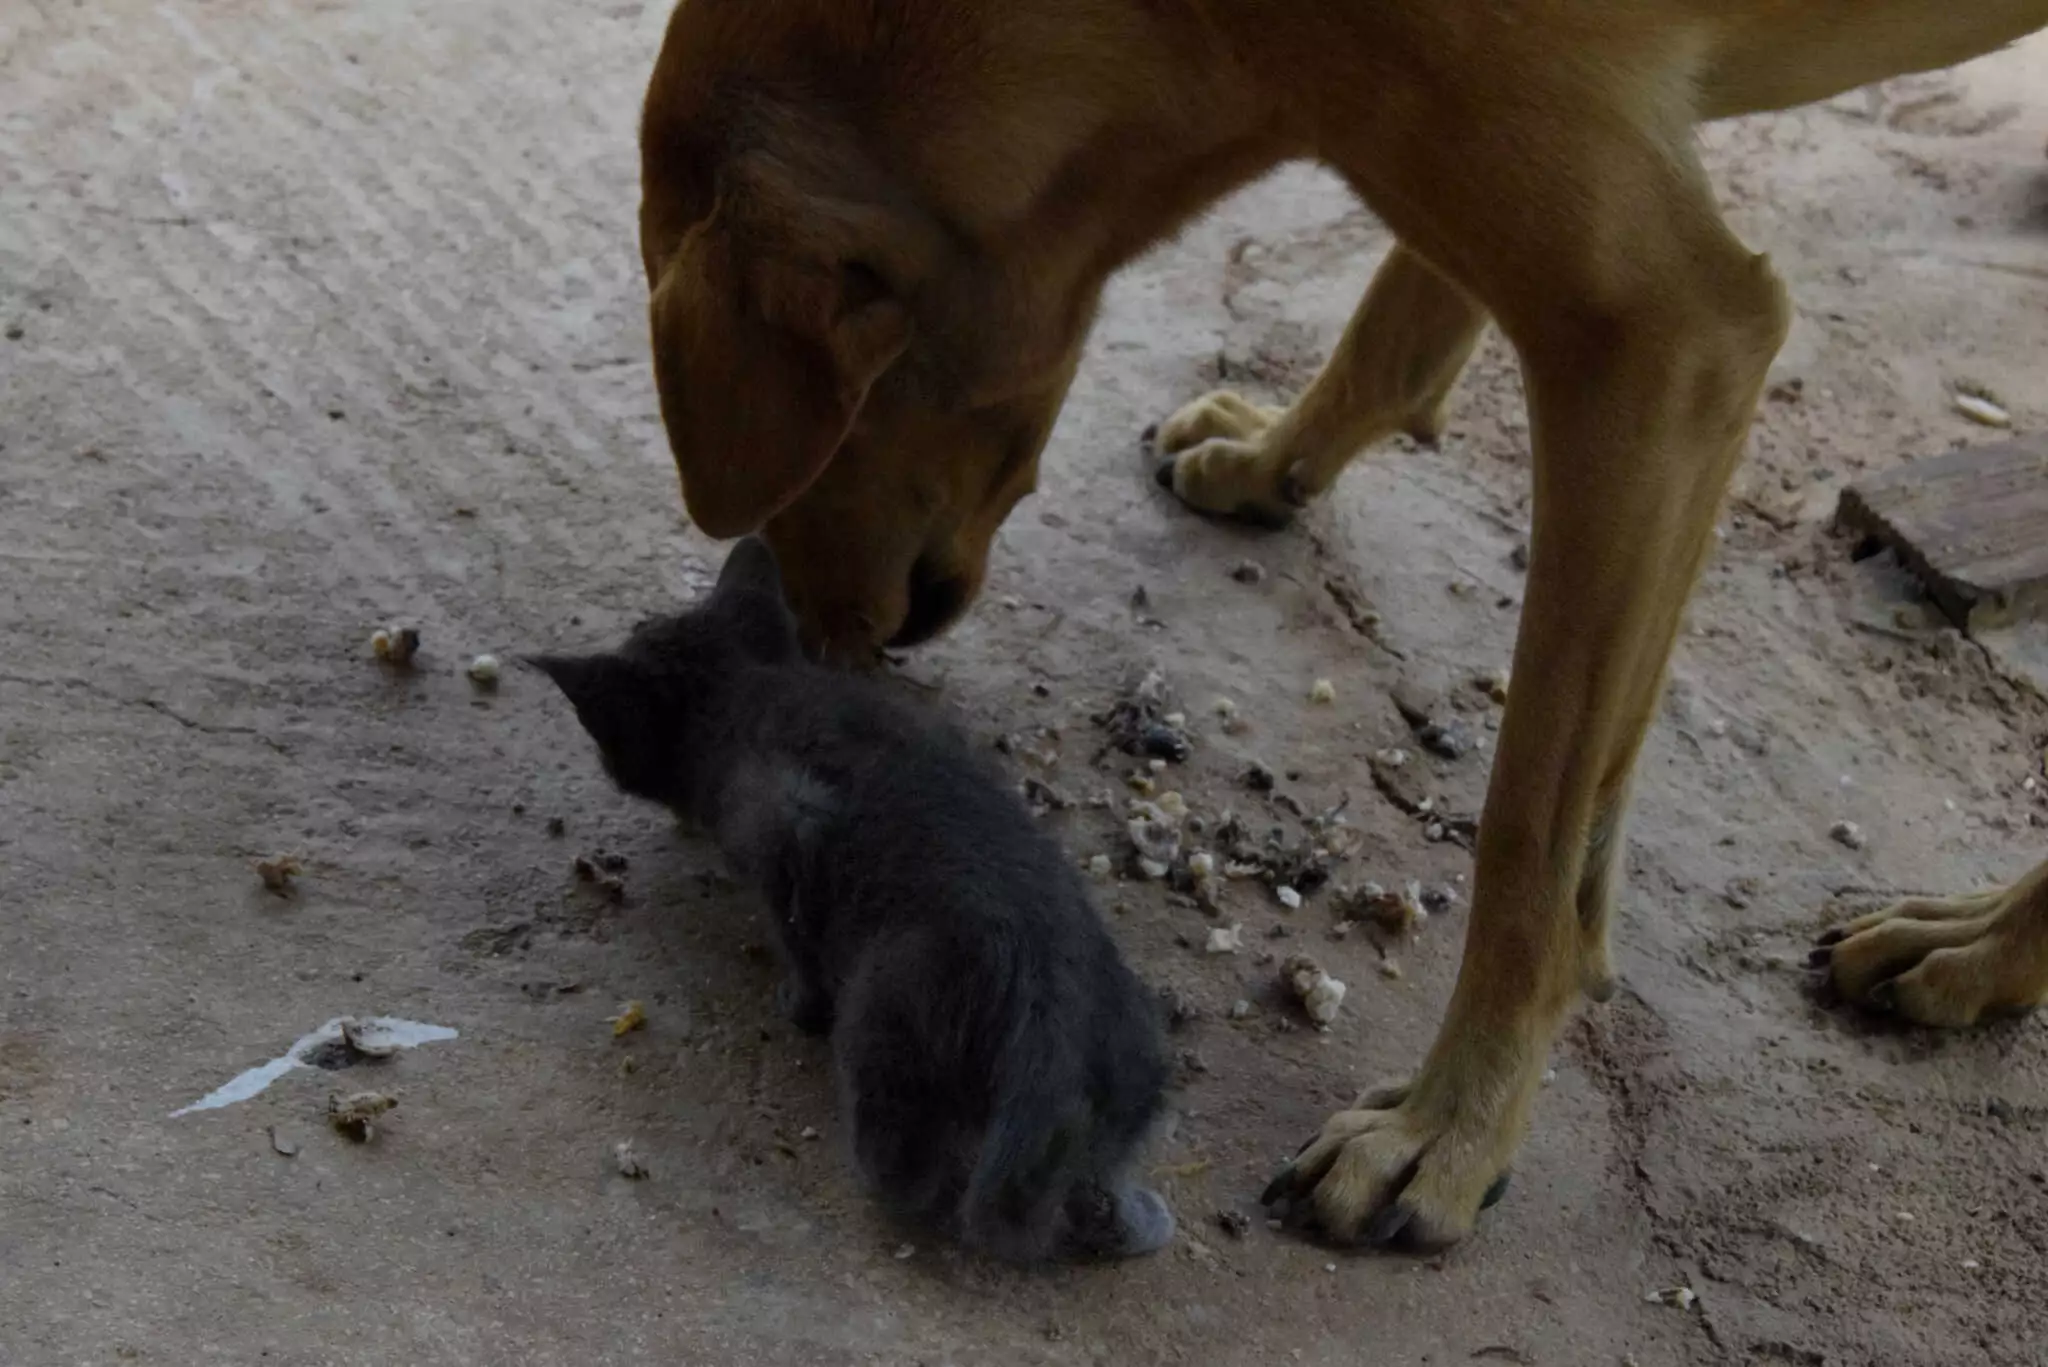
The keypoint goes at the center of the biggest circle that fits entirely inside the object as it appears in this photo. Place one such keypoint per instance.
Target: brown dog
(876, 230)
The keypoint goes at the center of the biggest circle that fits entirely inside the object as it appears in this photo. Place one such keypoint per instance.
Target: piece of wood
(1972, 524)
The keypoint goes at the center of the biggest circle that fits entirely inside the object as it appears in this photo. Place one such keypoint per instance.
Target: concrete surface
(320, 314)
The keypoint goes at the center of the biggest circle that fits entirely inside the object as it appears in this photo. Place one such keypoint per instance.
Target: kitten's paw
(1144, 1222)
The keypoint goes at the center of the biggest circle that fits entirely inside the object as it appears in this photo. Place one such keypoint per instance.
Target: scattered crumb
(628, 1161)
(1397, 915)
(354, 1116)
(1225, 939)
(1320, 994)
(1849, 834)
(483, 671)
(632, 1016)
(278, 871)
(371, 1041)
(1322, 691)
(395, 645)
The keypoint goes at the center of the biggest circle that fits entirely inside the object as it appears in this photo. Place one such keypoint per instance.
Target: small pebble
(1100, 867)
(1240, 1009)
(628, 1161)
(905, 1252)
(1981, 410)
(278, 871)
(1225, 939)
(1389, 969)
(1234, 1223)
(808, 1132)
(1202, 864)
(483, 671)
(1848, 834)
(1248, 572)
(1289, 898)
(1322, 691)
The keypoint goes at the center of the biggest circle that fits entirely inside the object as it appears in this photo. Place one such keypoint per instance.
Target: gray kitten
(999, 1065)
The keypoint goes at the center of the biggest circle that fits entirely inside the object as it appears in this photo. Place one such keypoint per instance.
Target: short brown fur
(876, 233)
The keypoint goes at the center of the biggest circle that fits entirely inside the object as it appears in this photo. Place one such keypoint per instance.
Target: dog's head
(848, 357)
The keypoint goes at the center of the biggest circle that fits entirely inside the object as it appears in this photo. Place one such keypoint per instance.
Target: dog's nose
(935, 600)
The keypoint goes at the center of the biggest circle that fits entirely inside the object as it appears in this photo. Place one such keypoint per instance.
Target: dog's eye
(862, 284)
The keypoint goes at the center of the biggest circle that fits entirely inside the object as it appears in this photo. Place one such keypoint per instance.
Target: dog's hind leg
(1391, 372)
(1947, 961)
(1580, 215)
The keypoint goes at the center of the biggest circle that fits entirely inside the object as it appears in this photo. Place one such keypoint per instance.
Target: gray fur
(999, 1065)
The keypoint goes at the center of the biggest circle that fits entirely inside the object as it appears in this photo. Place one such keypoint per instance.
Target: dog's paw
(1216, 461)
(1393, 1171)
(1946, 962)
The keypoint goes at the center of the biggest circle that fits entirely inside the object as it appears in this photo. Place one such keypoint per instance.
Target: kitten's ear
(750, 566)
(584, 679)
(749, 595)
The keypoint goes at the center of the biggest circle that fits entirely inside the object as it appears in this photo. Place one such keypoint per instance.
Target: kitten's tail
(1034, 1153)
(1051, 1180)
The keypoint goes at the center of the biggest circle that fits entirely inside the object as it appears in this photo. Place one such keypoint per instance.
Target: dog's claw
(1386, 1226)
(1820, 956)
(1162, 474)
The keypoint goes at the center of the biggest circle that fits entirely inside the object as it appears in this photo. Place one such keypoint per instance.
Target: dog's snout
(936, 598)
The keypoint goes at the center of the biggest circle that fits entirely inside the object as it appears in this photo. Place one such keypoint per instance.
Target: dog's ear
(762, 362)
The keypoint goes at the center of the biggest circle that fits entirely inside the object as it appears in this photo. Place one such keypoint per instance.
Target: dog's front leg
(1391, 372)
(1947, 961)
(1645, 331)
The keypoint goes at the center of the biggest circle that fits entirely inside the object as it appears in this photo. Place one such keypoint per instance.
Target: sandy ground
(317, 314)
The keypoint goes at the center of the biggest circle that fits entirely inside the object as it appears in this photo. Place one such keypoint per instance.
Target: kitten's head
(638, 702)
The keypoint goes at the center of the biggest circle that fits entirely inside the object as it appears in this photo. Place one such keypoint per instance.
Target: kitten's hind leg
(1127, 1221)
